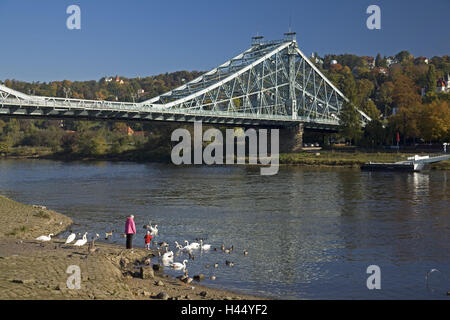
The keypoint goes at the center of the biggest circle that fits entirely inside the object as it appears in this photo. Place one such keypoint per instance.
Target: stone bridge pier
(291, 138)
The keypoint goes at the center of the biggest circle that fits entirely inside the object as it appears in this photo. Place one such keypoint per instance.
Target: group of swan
(80, 242)
(153, 229)
(188, 247)
(70, 238)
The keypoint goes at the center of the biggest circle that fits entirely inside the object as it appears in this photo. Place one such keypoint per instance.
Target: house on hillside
(443, 84)
(370, 61)
(316, 59)
(120, 81)
(391, 60)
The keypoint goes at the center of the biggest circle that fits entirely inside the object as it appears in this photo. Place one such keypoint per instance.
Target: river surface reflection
(310, 233)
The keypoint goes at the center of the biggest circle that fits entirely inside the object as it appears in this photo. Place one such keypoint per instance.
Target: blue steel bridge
(271, 84)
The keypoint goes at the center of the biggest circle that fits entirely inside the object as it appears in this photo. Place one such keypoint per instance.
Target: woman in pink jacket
(130, 230)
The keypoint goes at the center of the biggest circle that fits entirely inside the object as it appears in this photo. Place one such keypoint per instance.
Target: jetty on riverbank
(412, 164)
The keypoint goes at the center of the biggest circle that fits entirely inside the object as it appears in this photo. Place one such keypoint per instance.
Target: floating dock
(413, 164)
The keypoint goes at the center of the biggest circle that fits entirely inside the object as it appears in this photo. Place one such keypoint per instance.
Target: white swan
(204, 246)
(185, 249)
(154, 230)
(193, 245)
(70, 238)
(178, 246)
(45, 238)
(81, 242)
(167, 258)
(168, 255)
(179, 266)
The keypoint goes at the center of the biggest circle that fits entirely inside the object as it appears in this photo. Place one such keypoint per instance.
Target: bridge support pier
(291, 139)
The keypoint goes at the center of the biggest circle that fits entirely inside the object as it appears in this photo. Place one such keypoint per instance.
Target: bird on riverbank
(70, 238)
(185, 277)
(187, 280)
(168, 255)
(92, 248)
(163, 244)
(108, 234)
(45, 238)
(81, 242)
(245, 252)
(179, 266)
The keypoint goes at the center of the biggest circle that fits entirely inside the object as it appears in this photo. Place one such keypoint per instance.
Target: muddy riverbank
(30, 269)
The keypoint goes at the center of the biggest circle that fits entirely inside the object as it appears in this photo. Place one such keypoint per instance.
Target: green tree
(431, 79)
(350, 123)
(404, 56)
(384, 97)
(380, 62)
(374, 134)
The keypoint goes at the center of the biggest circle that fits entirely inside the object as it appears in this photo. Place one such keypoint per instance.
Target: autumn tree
(405, 92)
(434, 122)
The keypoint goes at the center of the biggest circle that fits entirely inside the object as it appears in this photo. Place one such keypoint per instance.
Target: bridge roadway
(62, 108)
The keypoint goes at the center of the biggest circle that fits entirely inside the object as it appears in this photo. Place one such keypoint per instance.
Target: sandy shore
(30, 269)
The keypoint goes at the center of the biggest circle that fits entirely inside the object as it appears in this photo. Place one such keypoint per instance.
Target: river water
(311, 233)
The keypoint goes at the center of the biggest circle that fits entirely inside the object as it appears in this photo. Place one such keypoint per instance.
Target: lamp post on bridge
(67, 92)
(134, 96)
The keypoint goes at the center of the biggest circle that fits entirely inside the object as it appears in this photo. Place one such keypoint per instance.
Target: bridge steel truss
(270, 84)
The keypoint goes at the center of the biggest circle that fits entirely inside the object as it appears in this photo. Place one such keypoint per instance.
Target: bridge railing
(101, 105)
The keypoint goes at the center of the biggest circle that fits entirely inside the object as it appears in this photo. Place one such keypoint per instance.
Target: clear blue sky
(140, 38)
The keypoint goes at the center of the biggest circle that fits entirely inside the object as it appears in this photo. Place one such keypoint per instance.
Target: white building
(443, 84)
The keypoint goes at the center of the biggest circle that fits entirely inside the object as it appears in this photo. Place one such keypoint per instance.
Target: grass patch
(349, 159)
(42, 214)
(17, 230)
(339, 158)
